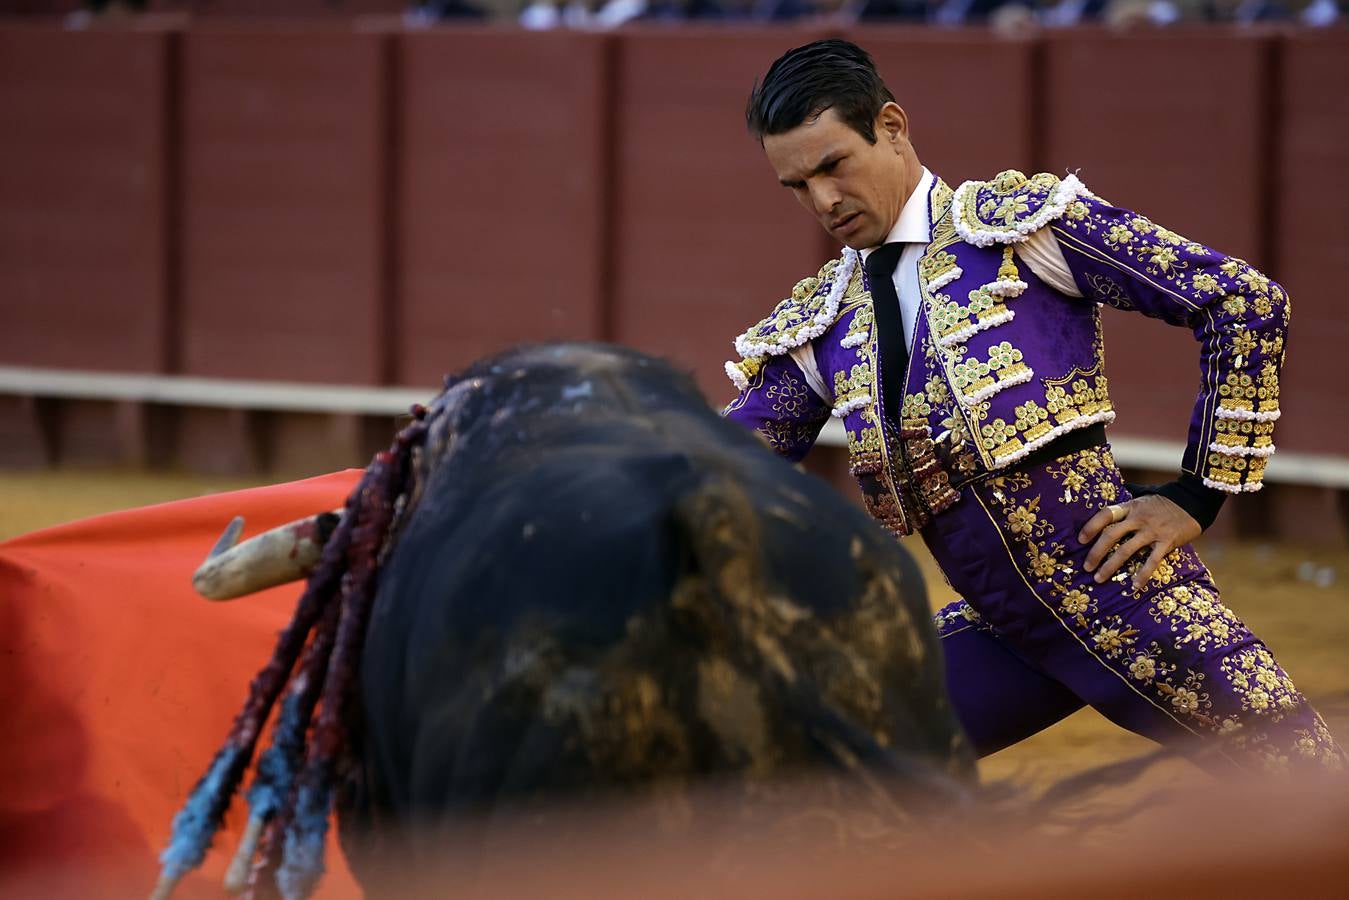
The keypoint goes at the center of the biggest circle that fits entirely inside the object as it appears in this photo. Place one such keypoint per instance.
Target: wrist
(1200, 502)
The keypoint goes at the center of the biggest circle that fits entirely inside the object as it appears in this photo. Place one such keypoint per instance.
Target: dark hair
(804, 82)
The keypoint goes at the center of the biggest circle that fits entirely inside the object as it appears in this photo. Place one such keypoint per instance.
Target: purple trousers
(1036, 638)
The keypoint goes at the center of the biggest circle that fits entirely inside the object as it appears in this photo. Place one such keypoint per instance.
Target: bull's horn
(279, 556)
(164, 887)
(229, 538)
(236, 877)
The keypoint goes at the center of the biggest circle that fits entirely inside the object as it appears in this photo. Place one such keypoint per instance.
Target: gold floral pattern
(793, 423)
(934, 265)
(957, 616)
(1004, 364)
(853, 387)
(1263, 687)
(1210, 673)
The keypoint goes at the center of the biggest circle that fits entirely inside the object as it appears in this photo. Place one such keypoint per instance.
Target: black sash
(892, 349)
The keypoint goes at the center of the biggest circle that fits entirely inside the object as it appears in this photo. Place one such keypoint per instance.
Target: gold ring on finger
(1117, 513)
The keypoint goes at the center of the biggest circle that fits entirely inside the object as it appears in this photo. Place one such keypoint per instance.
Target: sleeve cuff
(1200, 502)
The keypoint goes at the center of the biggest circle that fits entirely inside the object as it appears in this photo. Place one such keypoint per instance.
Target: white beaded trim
(747, 346)
(1007, 287)
(856, 339)
(1246, 488)
(1246, 415)
(1068, 190)
(945, 278)
(848, 406)
(737, 377)
(966, 332)
(1228, 450)
(1106, 416)
(998, 387)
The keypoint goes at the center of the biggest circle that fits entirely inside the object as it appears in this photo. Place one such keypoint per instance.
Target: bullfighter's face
(854, 188)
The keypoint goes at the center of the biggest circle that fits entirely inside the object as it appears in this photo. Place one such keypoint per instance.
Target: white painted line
(180, 390)
(1285, 467)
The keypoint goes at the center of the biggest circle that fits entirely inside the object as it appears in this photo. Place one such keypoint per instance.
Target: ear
(892, 125)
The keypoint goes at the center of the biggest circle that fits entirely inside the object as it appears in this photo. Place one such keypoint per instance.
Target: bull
(568, 580)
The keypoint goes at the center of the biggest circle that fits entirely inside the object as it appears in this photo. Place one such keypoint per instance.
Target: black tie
(891, 347)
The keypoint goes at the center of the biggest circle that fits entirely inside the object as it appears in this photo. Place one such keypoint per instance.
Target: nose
(823, 196)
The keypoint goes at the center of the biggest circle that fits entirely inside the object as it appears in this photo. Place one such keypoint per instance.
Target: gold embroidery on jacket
(1257, 691)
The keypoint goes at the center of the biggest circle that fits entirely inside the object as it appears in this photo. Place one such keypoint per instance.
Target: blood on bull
(568, 579)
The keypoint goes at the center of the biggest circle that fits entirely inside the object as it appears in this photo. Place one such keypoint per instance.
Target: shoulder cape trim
(805, 315)
(1010, 207)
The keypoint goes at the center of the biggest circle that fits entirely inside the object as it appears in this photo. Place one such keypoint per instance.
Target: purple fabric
(1170, 662)
(998, 696)
(780, 407)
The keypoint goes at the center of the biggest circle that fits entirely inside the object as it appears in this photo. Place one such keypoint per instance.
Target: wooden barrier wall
(348, 204)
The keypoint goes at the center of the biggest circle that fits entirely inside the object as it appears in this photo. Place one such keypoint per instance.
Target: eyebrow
(823, 164)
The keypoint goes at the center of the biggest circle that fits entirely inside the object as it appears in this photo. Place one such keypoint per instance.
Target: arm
(1238, 316)
(777, 403)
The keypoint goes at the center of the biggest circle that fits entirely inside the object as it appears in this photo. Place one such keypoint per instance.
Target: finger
(1159, 552)
(1122, 555)
(1108, 516)
(1109, 538)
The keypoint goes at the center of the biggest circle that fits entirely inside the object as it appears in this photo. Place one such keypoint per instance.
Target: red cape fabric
(118, 683)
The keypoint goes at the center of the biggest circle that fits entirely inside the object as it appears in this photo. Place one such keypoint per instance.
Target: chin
(861, 242)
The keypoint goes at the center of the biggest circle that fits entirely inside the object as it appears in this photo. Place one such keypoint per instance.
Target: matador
(958, 339)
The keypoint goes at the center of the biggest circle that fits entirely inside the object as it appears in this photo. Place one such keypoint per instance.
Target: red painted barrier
(705, 240)
(1310, 207)
(501, 197)
(968, 96)
(82, 243)
(282, 230)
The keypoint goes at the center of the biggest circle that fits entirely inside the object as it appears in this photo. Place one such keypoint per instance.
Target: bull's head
(636, 578)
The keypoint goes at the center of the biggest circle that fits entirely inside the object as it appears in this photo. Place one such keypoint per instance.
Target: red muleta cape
(118, 683)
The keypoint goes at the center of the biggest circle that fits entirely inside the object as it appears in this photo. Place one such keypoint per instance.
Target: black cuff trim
(1200, 502)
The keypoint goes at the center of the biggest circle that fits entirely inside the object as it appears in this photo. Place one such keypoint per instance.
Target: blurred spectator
(542, 15)
(102, 12)
(432, 11)
(1067, 13)
(618, 12)
(677, 10)
(966, 12)
(1320, 13)
(1013, 19)
(1245, 12)
(783, 10)
(1135, 13)
(893, 10)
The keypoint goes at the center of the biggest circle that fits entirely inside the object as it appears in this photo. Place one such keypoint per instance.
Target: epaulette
(813, 306)
(1011, 207)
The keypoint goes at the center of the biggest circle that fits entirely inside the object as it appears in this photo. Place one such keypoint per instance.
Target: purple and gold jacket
(1001, 363)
